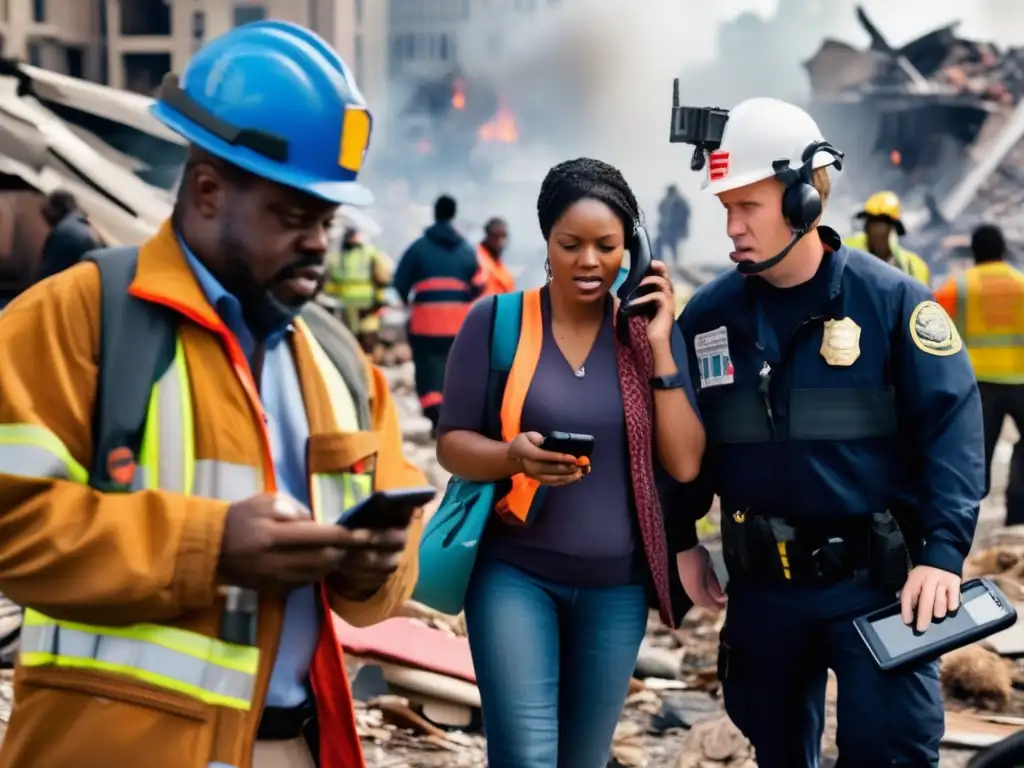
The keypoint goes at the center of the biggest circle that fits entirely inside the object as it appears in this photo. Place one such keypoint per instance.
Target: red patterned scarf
(636, 366)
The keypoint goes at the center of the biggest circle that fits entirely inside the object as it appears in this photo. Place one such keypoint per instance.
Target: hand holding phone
(574, 444)
(386, 510)
(540, 464)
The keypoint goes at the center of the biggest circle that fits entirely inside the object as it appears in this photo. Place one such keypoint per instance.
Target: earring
(547, 268)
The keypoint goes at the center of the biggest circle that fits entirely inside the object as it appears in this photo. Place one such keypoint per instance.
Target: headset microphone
(757, 267)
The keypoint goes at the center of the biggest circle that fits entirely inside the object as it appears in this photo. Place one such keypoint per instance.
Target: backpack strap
(506, 319)
(137, 342)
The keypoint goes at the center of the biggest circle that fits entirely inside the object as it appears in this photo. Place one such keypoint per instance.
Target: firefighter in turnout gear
(357, 276)
(181, 573)
(883, 226)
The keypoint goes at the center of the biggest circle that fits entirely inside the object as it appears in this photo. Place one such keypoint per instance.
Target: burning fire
(459, 95)
(895, 157)
(501, 128)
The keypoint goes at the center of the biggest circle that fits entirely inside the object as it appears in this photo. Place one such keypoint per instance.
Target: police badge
(840, 344)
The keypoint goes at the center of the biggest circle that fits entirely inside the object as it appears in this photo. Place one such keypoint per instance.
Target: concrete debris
(715, 743)
(978, 677)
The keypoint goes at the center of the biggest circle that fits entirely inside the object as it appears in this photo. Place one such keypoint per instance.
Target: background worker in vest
(357, 275)
(218, 552)
(883, 226)
(796, 354)
(494, 276)
(987, 304)
(437, 279)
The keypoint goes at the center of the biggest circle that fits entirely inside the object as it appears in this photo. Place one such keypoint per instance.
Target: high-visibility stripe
(226, 481)
(202, 667)
(167, 455)
(343, 404)
(30, 450)
(437, 318)
(332, 494)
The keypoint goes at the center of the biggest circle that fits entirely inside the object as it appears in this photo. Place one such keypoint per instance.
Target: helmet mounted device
(704, 128)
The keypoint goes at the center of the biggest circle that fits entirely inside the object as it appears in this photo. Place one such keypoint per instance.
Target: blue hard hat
(275, 99)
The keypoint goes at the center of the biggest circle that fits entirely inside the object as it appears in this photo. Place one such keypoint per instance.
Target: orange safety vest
(986, 303)
(525, 494)
(439, 305)
(493, 276)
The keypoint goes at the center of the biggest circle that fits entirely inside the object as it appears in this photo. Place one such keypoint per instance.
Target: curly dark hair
(569, 182)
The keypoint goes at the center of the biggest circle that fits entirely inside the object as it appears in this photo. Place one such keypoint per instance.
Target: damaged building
(939, 120)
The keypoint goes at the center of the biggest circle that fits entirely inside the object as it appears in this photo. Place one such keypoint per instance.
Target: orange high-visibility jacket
(493, 276)
(137, 571)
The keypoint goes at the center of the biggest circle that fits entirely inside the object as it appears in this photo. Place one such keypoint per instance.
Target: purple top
(584, 534)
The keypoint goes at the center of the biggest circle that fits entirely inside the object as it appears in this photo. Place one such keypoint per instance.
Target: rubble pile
(938, 120)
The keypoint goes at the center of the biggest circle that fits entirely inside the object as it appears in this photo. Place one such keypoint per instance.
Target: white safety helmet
(760, 132)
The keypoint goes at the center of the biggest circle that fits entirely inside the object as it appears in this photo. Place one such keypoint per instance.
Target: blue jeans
(553, 664)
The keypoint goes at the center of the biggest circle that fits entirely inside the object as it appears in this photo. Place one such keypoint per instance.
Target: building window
(143, 72)
(39, 11)
(74, 62)
(151, 18)
(359, 11)
(35, 54)
(198, 29)
(244, 14)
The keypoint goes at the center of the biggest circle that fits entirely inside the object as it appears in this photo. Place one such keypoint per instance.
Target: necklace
(580, 372)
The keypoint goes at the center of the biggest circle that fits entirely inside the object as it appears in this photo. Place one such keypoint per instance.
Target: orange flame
(502, 127)
(458, 95)
(895, 157)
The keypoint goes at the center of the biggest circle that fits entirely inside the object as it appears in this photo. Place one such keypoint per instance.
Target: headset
(640, 259)
(801, 202)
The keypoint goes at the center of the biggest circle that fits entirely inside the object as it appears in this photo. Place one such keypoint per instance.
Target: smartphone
(984, 610)
(386, 509)
(569, 442)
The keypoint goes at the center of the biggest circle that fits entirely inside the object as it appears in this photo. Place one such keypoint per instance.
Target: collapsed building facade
(939, 120)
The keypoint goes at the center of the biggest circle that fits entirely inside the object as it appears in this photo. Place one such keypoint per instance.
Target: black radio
(701, 126)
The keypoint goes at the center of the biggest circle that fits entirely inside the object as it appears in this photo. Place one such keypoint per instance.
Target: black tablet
(984, 610)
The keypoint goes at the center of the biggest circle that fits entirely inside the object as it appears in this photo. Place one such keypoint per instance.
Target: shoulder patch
(932, 330)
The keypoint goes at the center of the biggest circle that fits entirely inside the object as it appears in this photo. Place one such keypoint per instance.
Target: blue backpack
(449, 545)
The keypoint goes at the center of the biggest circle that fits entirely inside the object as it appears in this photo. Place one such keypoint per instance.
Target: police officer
(844, 434)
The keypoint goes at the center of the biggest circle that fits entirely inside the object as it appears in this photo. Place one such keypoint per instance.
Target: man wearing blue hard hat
(177, 446)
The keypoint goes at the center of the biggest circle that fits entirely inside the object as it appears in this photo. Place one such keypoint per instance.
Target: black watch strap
(674, 381)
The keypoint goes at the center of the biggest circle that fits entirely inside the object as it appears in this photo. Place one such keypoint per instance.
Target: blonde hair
(821, 182)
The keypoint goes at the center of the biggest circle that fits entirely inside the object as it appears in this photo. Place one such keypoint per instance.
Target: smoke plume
(589, 78)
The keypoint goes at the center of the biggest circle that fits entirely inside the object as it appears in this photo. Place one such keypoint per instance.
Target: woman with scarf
(558, 602)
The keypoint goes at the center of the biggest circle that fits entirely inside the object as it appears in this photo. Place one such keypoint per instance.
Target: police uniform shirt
(871, 404)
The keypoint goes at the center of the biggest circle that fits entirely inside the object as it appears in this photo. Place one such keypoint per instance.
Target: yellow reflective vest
(204, 668)
(987, 304)
(906, 261)
(354, 278)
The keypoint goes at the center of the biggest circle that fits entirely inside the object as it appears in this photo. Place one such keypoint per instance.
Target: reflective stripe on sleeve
(201, 667)
(30, 450)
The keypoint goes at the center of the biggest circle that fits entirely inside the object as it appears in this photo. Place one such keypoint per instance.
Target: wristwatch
(672, 381)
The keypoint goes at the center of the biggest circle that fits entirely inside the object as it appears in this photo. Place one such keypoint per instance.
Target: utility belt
(815, 552)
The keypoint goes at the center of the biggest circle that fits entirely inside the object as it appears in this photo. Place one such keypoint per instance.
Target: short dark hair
(493, 223)
(988, 244)
(61, 202)
(569, 182)
(445, 208)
